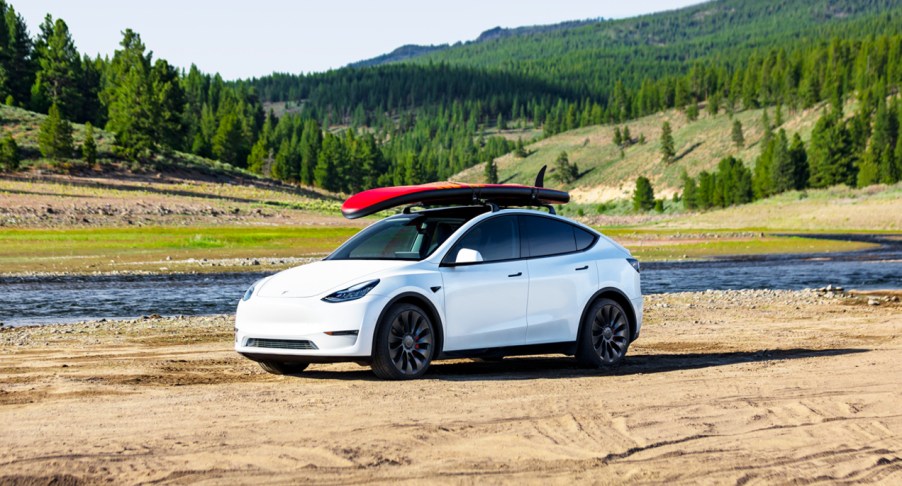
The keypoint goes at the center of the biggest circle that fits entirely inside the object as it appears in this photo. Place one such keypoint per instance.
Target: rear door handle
(584, 267)
(515, 274)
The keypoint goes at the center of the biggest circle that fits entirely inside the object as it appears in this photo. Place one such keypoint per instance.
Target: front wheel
(404, 343)
(604, 335)
(280, 368)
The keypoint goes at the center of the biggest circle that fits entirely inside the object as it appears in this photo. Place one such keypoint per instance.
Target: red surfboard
(452, 193)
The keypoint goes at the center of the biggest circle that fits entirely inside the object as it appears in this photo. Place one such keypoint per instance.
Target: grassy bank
(216, 249)
(159, 249)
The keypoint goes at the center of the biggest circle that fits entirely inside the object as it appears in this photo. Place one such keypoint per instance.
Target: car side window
(546, 236)
(495, 239)
(584, 239)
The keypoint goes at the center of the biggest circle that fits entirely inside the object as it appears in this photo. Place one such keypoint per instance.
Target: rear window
(546, 236)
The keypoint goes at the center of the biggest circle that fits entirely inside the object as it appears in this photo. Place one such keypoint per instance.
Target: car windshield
(408, 237)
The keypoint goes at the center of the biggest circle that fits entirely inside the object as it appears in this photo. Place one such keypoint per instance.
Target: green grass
(90, 250)
(743, 246)
(147, 249)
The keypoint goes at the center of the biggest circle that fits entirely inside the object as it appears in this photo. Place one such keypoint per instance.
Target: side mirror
(466, 255)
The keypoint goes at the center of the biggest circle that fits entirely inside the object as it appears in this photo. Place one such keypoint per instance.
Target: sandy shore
(723, 387)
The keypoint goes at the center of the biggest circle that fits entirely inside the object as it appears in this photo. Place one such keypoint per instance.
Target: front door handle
(515, 274)
(584, 267)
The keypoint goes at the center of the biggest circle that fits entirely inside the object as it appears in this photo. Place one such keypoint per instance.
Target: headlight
(250, 291)
(352, 293)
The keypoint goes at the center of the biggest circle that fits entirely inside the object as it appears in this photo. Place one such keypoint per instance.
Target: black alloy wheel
(404, 344)
(605, 335)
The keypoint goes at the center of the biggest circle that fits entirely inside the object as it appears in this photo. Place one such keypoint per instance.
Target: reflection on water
(38, 300)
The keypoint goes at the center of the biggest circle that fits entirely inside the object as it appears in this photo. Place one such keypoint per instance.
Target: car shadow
(533, 367)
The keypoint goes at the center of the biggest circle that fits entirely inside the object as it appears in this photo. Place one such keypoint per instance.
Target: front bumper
(295, 328)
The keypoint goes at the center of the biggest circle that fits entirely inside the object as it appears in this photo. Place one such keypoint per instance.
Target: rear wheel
(280, 368)
(604, 335)
(404, 343)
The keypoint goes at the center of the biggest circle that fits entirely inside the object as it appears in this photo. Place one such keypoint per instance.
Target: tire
(279, 368)
(404, 344)
(604, 335)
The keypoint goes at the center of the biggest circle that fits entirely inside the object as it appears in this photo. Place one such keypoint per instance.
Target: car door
(562, 278)
(485, 301)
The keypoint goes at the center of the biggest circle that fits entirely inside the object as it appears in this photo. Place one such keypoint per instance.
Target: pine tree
(644, 195)
(618, 137)
(128, 97)
(878, 164)
(782, 170)
(829, 155)
(491, 172)
(767, 129)
(17, 62)
(564, 170)
(169, 105)
(520, 150)
(90, 86)
(799, 160)
(667, 148)
(55, 137)
(89, 146)
(705, 195)
(763, 179)
(280, 168)
(692, 111)
(229, 143)
(310, 145)
(59, 74)
(738, 138)
(690, 192)
(714, 102)
(328, 160)
(9, 153)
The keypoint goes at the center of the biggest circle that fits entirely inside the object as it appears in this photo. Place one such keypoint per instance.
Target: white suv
(473, 281)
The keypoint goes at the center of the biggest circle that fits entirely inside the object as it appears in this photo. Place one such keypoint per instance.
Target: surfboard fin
(540, 179)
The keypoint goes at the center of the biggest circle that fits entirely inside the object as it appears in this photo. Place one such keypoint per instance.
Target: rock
(873, 301)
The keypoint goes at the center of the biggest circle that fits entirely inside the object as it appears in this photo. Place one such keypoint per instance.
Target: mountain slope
(725, 28)
(605, 175)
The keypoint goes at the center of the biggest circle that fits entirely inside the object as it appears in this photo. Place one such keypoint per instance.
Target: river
(42, 300)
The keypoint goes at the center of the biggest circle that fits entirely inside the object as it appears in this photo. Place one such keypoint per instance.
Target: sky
(242, 39)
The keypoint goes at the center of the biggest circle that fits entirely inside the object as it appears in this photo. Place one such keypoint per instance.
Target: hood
(319, 277)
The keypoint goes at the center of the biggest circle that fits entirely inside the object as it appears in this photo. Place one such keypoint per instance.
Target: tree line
(859, 150)
(411, 123)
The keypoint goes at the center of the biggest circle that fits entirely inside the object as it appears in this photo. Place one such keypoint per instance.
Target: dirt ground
(750, 387)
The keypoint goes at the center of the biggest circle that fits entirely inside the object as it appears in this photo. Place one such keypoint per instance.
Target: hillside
(605, 175)
(171, 189)
(24, 126)
(667, 42)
